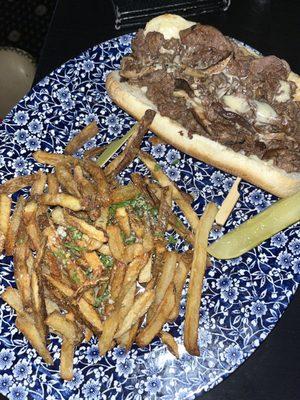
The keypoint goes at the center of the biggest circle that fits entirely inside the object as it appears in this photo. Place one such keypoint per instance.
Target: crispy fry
(82, 137)
(20, 268)
(94, 152)
(61, 199)
(123, 220)
(164, 181)
(66, 179)
(179, 281)
(37, 294)
(146, 272)
(34, 233)
(117, 279)
(88, 334)
(66, 360)
(51, 306)
(38, 185)
(165, 210)
(163, 281)
(44, 157)
(228, 204)
(94, 263)
(27, 327)
(127, 339)
(53, 186)
(13, 299)
(85, 312)
(156, 323)
(14, 226)
(100, 179)
(84, 227)
(102, 221)
(132, 251)
(115, 242)
(191, 323)
(170, 342)
(18, 183)
(85, 186)
(110, 325)
(5, 205)
(64, 327)
(139, 308)
(132, 147)
(124, 193)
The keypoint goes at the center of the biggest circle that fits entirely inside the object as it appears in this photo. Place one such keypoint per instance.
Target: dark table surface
(271, 26)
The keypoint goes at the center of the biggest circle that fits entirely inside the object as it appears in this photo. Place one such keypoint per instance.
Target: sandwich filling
(214, 88)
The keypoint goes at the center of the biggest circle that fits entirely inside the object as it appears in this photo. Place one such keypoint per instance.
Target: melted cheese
(264, 112)
(168, 25)
(236, 104)
(284, 92)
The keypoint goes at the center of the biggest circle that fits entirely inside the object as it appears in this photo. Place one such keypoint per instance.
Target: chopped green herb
(100, 299)
(175, 162)
(157, 167)
(172, 240)
(75, 233)
(59, 253)
(107, 261)
(130, 240)
(73, 247)
(159, 234)
(75, 278)
(89, 273)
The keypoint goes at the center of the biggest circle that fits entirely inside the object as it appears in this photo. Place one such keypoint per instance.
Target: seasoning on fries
(90, 255)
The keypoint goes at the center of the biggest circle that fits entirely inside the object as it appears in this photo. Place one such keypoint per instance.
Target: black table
(272, 27)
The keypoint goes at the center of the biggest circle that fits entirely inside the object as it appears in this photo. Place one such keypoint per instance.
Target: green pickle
(256, 230)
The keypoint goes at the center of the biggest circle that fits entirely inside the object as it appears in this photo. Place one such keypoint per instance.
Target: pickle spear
(256, 230)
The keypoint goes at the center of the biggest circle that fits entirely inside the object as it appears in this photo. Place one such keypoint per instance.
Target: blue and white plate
(242, 298)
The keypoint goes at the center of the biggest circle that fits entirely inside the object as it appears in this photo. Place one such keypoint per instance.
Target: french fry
(127, 339)
(117, 279)
(53, 186)
(164, 212)
(16, 184)
(44, 157)
(20, 267)
(138, 309)
(110, 325)
(179, 281)
(37, 294)
(123, 220)
(132, 251)
(115, 242)
(156, 323)
(85, 186)
(67, 329)
(61, 199)
(13, 299)
(100, 179)
(30, 210)
(94, 152)
(5, 206)
(228, 204)
(66, 179)
(38, 185)
(27, 327)
(82, 137)
(170, 342)
(191, 323)
(51, 306)
(164, 181)
(85, 311)
(132, 147)
(94, 262)
(14, 226)
(66, 360)
(84, 227)
(34, 233)
(146, 272)
(166, 277)
(88, 334)
(124, 193)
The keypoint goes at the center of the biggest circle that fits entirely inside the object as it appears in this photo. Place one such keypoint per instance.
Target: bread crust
(256, 171)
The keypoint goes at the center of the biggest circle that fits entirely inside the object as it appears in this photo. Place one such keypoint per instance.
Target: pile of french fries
(90, 255)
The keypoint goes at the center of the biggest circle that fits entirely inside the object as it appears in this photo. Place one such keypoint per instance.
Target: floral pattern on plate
(242, 298)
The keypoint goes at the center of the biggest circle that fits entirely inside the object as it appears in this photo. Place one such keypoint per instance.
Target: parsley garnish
(175, 162)
(157, 167)
(102, 298)
(107, 261)
(75, 278)
(75, 233)
(172, 240)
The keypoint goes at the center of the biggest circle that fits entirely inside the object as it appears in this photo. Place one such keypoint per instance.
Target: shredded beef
(160, 65)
